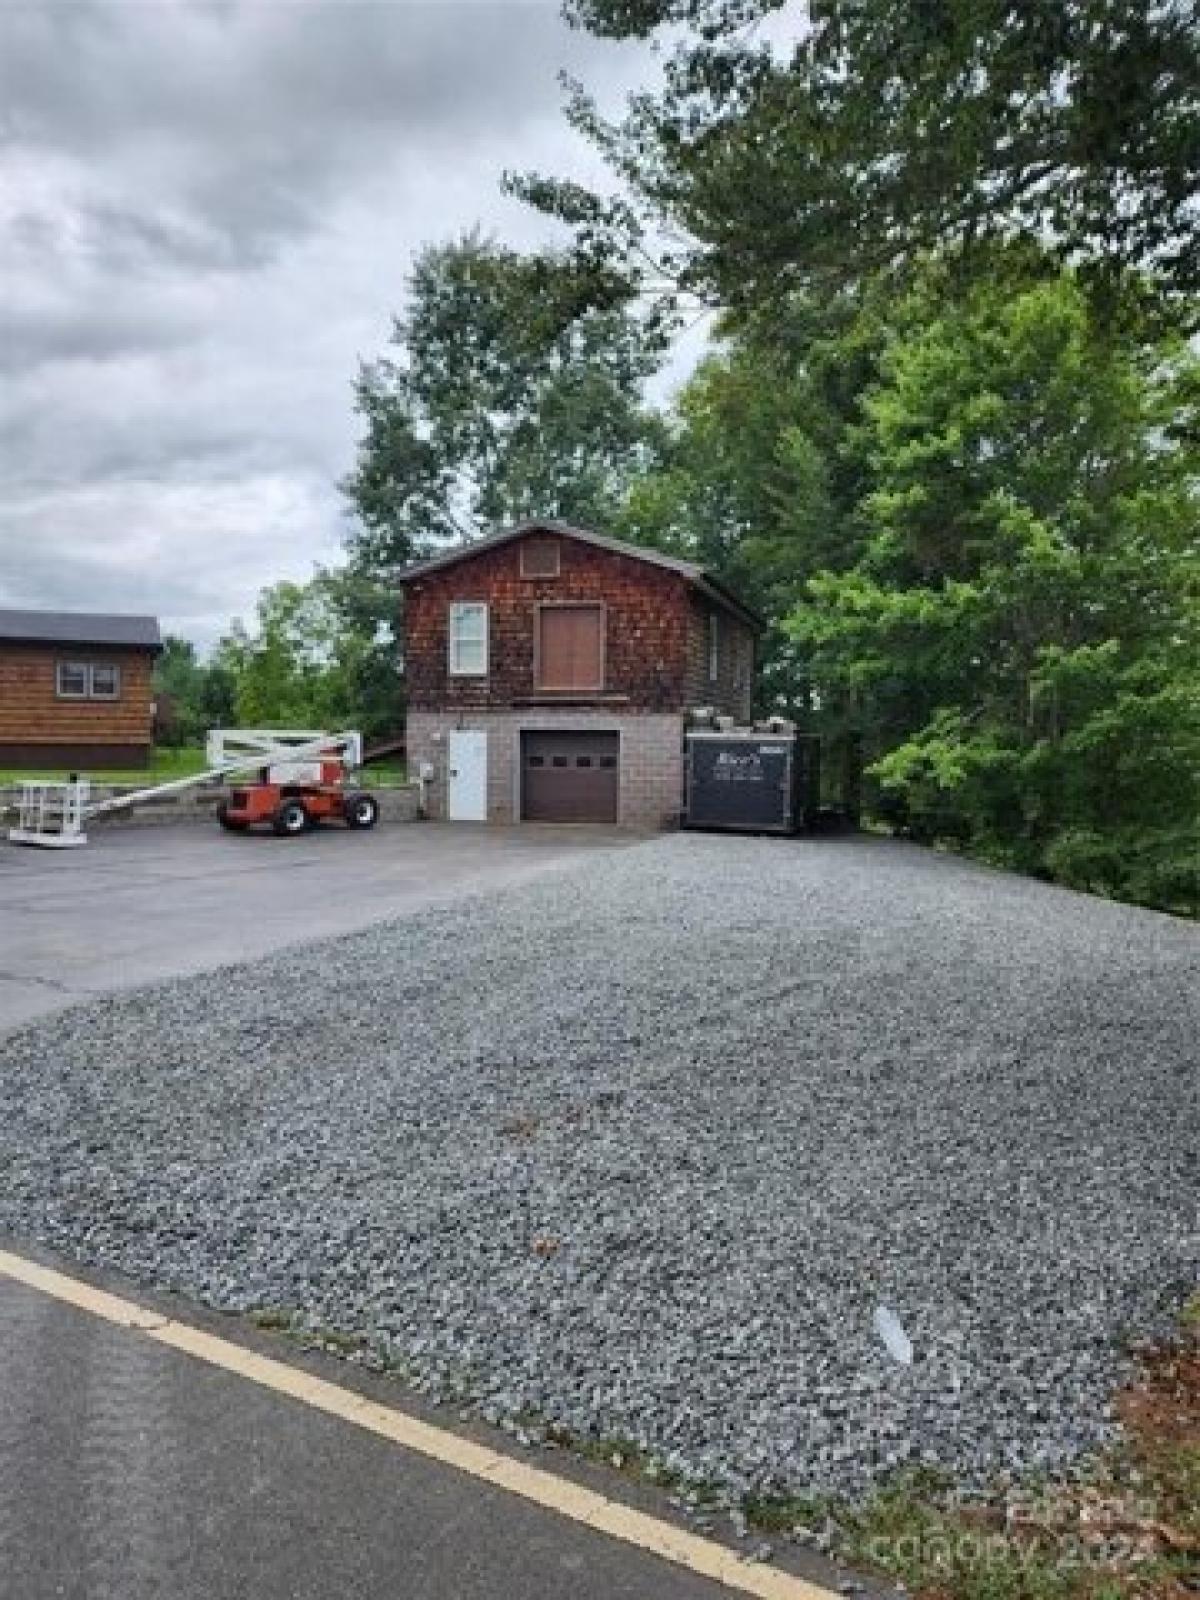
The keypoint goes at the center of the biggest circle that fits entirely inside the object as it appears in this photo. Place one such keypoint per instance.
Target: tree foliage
(971, 519)
(892, 128)
(191, 695)
(322, 654)
(509, 393)
(1021, 627)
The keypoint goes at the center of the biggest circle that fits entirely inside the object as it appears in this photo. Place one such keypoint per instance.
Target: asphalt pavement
(141, 903)
(130, 1471)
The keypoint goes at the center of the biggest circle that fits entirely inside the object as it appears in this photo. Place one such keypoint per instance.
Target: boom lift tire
(290, 819)
(227, 821)
(361, 810)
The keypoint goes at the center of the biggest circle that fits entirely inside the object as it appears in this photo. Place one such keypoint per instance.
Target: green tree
(763, 484)
(321, 655)
(507, 397)
(1022, 628)
(192, 695)
(890, 129)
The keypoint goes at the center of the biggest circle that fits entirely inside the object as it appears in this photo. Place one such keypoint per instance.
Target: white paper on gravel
(891, 1330)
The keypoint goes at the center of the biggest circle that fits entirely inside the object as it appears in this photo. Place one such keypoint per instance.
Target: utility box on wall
(756, 782)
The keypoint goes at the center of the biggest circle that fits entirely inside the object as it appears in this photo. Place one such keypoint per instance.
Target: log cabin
(75, 690)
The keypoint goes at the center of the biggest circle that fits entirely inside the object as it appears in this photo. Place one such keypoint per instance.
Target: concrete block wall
(651, 757)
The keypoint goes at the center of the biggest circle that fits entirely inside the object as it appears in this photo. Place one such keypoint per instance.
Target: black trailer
(755, 782)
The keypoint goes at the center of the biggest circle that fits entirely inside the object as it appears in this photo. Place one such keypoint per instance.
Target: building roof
(79, 627)
(696, 575)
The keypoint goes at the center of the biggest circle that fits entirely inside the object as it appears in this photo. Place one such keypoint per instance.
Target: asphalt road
(141, 903)
(130, 1471)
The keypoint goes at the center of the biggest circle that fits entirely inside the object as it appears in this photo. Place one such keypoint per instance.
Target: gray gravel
(635, 1150)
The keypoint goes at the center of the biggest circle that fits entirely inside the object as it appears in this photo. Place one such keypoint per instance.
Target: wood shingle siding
(649, 631)
(731, 692)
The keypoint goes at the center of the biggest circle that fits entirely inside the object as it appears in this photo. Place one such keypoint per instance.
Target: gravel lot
(637, 1148)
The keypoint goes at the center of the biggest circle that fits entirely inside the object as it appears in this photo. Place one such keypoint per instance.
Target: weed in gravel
(784, 1513)
(1127, 1529)
(520, 1127)
(274, 1319)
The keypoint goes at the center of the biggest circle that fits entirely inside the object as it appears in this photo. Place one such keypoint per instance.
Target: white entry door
(467, 789)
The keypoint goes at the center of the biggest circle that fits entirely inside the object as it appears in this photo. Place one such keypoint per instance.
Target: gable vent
(539, 558)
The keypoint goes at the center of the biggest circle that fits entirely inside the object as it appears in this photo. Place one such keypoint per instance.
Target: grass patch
(383, 775)
(1129, 1530)
(781, 1513)
(164, 765)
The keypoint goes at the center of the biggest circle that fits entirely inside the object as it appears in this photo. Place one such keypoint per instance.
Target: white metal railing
(52, 813)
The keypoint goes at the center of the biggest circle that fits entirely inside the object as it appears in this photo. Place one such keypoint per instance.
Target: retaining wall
(398, 804)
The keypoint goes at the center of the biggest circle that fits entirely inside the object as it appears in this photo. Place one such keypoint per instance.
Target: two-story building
(550, 672)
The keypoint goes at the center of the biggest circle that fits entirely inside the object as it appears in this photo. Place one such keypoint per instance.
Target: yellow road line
(705, 1557)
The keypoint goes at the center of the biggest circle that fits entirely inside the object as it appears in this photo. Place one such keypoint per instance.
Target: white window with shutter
(468, 639)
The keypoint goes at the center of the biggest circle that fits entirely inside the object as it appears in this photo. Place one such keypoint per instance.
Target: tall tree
(321, 655)
(1022, 626)
(763, 483)
(191, 694)
(510, 393)
(892, 128)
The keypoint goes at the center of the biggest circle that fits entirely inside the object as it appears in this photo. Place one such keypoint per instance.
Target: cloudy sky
(207, 212)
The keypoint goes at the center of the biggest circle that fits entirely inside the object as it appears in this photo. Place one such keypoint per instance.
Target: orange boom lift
(305, 779)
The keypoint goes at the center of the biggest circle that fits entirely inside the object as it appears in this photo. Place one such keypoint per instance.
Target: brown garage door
(569, 777)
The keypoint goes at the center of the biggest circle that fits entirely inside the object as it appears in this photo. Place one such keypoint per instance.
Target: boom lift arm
(53, 813)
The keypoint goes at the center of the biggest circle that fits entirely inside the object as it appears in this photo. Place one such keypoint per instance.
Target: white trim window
(468, 639)
(105, 681)
(87, 680)
(71, 680)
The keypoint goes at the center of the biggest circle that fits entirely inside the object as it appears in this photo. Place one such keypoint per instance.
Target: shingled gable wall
(646, 606)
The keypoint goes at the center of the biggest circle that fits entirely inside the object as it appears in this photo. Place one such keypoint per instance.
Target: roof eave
(84, 642)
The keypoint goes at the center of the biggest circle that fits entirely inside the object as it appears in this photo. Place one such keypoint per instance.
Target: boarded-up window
(539, 558)
(570, 652)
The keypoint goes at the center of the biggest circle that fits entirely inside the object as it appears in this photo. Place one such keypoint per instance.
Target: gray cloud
(206, 216)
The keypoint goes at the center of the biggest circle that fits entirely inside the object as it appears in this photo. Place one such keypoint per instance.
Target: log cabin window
(539, 558)
(569, 651)
(87, 680)
(105, 681)
(72, 681)
(468, 639)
